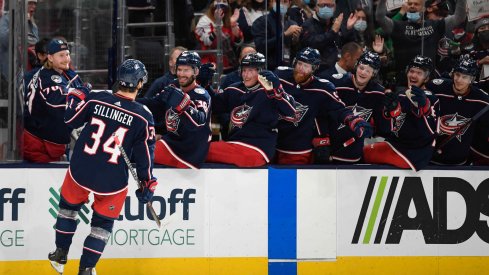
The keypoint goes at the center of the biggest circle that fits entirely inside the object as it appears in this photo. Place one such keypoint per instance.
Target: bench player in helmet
(186, 109)
(255, 107)
(315, 98)
(460, 100)
(412, 114)
(45, 133)
(97, 165)
(363, 96)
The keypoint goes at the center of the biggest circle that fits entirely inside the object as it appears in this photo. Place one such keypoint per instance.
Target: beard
(188, 82)
(300, 77)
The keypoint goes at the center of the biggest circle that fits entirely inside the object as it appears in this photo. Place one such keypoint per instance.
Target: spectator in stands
(350, 52)
(167, 78)
(416, 35)
(460, 100)
(363, 29)
(436, 9)
(481, 41)
(299, 11)
(255, 107)
(251, 10)
(412, 113)
(323, 32)
(269, 42)
(219, 13)
(45, 132)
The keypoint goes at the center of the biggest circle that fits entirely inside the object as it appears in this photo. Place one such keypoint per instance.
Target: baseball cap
(481, 22)
(57, 45)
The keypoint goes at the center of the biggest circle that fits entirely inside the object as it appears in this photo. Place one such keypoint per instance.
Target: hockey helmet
(131, 72)
(370, 58)
(309, 55)
(422, 62)
(256, 60)
(189, 58)
(466, 65)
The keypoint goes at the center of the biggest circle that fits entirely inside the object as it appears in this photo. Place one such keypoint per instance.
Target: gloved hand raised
(359, 126)
(392, 108)
(177, 99)
(206, 72)
(271, 83)
(418, 97)
(146, 192)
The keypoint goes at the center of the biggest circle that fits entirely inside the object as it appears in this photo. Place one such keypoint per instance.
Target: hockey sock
(94, 244)
(66, 224)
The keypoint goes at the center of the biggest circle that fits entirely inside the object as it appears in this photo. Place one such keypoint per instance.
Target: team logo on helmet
(172, 121)
(451, 123)
(359, 111)
(239, 115)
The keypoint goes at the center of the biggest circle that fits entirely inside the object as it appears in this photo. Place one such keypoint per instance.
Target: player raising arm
(106, 116)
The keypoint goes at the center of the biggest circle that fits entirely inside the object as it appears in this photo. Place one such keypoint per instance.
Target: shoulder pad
(338, 76)
(438, 81)
(199, 91)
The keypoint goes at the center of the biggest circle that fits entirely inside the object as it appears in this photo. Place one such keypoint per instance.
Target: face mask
(360, 25)
(413, 16)
(307, 2)
(484, 36)
(325, 13)
(283, 9)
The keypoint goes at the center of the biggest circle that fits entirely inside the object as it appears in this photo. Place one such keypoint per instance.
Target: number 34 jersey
(97, 163)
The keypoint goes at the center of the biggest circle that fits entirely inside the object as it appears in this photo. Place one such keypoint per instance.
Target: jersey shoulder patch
(323, 80)
(56, 78)
(438, 81)
(199, 91)
(338, 76)
(282, 68)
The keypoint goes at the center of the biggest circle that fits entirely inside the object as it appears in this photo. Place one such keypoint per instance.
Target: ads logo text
(10, 199)
(380, 208)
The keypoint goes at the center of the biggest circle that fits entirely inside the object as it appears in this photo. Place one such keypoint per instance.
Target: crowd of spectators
(423, 66)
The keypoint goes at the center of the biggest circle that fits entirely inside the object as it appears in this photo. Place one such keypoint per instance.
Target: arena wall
(265, 221)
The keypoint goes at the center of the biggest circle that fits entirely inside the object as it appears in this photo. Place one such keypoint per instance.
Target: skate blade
(58, 267)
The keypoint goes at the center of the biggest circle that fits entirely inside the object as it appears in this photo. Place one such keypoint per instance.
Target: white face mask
(360, 25)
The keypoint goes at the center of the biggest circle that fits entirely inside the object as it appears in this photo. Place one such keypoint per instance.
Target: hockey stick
(134, 175)
(462, 128)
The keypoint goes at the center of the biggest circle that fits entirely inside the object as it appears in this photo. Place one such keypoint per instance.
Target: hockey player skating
(460, 100)
(255, 107)
(45, 133)
(315, 98)
(106, 116)
(412, 113)
(186, 107)
(363, 96)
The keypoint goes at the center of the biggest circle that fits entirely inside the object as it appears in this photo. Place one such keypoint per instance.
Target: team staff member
(254, 111)
(45, 132)
(413, 127)
(460, 100)
(314, 98)
(186, 108)
(107, 116)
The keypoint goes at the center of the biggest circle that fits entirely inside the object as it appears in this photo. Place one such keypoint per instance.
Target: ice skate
(87, 271)
(58, 259)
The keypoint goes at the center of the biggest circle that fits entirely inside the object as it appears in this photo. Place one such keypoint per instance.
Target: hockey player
(255, 107)
(186, 109)
(460, 100)
(363, 96)
(107, 116)
(412, 117)
(314, 98)
(45, 133)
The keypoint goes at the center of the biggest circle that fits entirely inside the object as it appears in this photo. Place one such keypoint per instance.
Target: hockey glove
(321, 150)
(419, 100)
(146, 192)
(80, 91)
(177, 99)
(359, 126)
(206, 72)
(271, 83)
(392, 108)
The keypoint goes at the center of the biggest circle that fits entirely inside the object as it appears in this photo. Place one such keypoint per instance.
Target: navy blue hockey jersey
(187, 134)
(366, 104)
(45, 101)
(455, 111)
(97, 163)
(254, 116)
(316, 99)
